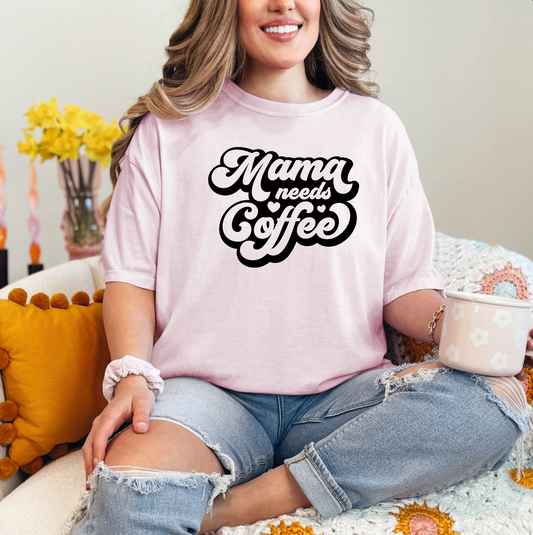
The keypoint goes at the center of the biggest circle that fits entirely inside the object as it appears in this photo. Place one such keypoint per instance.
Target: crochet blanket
(493, 503)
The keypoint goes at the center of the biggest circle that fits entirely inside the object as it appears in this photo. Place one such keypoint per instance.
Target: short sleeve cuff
(115, 275)
(420, 283)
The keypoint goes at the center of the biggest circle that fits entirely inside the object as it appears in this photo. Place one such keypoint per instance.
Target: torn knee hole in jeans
(392, 382)
(507, 392)
(148, 480)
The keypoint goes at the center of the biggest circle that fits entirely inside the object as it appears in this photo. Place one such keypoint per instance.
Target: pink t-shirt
(273, 234)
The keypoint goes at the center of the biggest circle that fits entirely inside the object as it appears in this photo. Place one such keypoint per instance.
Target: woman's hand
(134, 402)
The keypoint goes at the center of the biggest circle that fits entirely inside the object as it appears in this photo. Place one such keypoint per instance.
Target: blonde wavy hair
(204, 50)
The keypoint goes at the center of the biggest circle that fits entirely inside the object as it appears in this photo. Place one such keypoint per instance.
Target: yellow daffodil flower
(60, 133)
(45, 115)
(30, 147)
(48, 140)
(66, 146)
(99, 140)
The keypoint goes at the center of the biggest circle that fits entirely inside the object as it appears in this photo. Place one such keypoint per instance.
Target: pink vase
(82, 221)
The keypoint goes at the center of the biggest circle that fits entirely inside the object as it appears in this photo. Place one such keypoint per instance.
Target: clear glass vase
(82, 221)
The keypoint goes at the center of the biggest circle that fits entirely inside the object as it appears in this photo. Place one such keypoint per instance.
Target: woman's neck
(288, 85)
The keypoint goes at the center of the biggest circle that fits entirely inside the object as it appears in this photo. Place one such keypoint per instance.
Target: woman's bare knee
(166, 446)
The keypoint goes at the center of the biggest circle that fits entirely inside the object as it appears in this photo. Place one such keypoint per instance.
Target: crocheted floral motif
(295, 529)
(415, 351)
(419, 519)
(508, 282)
(526, 480)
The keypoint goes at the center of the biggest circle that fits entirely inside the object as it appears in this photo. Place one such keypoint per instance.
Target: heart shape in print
(273, 206)
(321, 208)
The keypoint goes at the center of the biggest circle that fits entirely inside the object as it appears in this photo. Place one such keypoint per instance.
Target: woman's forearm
(411, 313)
(129, 320)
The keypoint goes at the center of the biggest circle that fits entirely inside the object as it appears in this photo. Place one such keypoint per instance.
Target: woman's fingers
(530, 342)
(95, 445)
(529, 345)
(88, 454)
(87, 451)
(113, 420)
(142, 407)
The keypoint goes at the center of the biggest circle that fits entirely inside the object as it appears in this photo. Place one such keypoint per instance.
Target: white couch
(41, 503)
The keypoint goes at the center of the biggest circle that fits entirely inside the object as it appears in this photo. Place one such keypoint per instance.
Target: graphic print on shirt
(290, 200)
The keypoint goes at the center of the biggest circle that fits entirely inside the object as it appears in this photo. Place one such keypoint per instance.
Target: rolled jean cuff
(317, 483)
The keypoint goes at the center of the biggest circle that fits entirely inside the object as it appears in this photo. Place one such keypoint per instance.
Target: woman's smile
(282, 30)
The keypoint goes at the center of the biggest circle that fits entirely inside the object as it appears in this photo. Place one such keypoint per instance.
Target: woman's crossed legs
(352, 446)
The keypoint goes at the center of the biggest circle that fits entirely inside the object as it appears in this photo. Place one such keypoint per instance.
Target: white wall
(458, 73)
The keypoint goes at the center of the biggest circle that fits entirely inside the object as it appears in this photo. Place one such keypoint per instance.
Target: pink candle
(33, 200)
(3, 229)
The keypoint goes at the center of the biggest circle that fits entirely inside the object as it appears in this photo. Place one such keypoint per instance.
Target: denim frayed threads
(392, 383)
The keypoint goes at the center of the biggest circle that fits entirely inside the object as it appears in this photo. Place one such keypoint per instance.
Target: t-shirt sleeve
(410, 244)
(410, 238)
(131, 235)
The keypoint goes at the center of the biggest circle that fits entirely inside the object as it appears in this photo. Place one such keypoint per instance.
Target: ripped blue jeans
(373, 438)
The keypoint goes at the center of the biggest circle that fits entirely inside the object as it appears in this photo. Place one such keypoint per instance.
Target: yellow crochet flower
(526, 480)
(295, 529)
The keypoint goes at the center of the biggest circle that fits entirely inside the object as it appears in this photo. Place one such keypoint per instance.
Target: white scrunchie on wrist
(119, 368)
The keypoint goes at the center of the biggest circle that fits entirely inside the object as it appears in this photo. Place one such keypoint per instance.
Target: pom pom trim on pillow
(9, 409)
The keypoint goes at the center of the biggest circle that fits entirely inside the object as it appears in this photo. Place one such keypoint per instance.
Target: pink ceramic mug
(485, 334)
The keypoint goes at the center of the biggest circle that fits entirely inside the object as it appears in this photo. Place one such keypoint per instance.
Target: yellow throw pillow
(53, 357)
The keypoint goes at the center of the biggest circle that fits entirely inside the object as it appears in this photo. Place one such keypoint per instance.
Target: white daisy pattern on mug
(479, 337)
(520, 338)
(458, 311)
(499, 361)
(502, 317)
(452, 353)
(444, 329)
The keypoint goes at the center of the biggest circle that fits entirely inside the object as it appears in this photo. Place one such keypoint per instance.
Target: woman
(267, 217)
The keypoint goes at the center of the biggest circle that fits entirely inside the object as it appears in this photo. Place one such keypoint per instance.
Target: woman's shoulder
(373, 107)
(151, 133)
(151, 123)
(375, 112)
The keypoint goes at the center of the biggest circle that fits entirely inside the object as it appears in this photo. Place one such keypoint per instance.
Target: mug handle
(530, 353)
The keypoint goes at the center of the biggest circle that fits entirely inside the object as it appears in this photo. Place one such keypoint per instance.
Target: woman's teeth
(281, 29)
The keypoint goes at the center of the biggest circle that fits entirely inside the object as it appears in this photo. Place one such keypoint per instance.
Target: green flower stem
(80, 175)
(68, 179)
(70, 175)
(84, 228)
(92, 167)
(70, 196)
